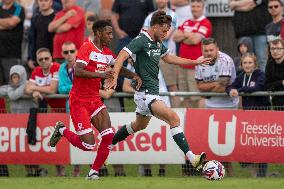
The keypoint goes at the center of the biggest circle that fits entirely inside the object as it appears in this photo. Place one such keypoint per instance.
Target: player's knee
(174, 119)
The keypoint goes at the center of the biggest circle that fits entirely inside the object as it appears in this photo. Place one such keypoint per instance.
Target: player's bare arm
(131, 75)
(173, 59)
(122, 56)
(206, 86)
(79, 71)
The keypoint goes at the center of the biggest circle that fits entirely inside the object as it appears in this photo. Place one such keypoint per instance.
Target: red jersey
(41, 79)
(201, 26)
(96, 60)
(75, 34)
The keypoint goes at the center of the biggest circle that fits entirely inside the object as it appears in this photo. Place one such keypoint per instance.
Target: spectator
(127, 19)
(68, 25)
(89, 24)
(12, 17)
(39, 36)
(251, 80)
(183, 10)
(28, 7)
(215, 77)
(249, 20)
(44, 78)
(274, 73)
(190, 34)
(90, 7)
(273, 29)
(244, 46)
(169, 71)
(66, 71)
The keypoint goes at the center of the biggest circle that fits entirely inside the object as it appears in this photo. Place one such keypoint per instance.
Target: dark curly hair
(160, 17)
(100, 24)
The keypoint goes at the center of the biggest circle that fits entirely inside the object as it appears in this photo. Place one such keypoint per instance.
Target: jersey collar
(147, 34)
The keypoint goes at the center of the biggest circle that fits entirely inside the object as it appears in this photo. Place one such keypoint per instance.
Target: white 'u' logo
(230, 135)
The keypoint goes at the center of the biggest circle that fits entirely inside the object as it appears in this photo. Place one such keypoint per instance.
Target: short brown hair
(208, 41)
(276, 41)
(40, 50)
(160, 17)
(279, 1)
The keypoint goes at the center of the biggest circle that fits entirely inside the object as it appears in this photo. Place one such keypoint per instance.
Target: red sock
(103, 151)
(75, 140)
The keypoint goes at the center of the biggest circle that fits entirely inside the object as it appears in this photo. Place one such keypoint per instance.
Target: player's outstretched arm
(122, 56)
(173, 59)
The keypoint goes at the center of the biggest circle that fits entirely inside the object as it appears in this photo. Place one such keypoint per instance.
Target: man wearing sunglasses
(275, 9)
(44, 78)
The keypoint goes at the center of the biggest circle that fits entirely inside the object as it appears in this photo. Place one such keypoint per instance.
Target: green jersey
(146, 55)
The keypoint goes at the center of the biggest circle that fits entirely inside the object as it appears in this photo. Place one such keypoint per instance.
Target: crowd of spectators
(39, 40)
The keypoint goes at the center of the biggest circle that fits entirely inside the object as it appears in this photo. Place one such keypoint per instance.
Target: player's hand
(234, 93)
(111, 83)
(138, 82)
(203, 60)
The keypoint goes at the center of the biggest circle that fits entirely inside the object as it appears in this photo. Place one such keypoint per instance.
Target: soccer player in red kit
(86, 108)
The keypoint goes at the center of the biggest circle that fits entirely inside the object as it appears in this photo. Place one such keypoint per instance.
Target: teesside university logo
(230, 136)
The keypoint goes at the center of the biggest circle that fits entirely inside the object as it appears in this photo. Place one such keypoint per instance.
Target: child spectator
(251, 80)
(244, 46)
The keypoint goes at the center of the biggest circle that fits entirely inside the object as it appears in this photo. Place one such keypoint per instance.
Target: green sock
(180, 139)
(122, 134)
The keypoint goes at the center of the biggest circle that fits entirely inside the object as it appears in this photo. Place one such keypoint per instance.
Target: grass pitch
(139, 183)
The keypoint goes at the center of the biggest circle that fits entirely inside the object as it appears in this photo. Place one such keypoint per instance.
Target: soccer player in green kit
(146, 50)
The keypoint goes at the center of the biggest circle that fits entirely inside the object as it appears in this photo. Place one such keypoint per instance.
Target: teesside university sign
(237, 135)
(218, 8)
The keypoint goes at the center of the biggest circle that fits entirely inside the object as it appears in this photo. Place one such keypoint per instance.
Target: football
(213, 170)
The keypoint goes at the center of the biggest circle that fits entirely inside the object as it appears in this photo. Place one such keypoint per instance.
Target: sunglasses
(275, 6)
(43, 59)
(70, 51)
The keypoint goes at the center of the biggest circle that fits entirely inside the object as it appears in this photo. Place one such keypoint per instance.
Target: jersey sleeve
(33, 75)
(75, 21)
(227, 67)
(164, 50)
(198, 73)
(205, 29)
(136, 45)
(55, 74)
(83, 54)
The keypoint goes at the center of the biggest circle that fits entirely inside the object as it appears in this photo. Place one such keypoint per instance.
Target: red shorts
(82, 113)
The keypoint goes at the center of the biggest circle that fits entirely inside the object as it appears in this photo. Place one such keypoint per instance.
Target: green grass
(139, 183)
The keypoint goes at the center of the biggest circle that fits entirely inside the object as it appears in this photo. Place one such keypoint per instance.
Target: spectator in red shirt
(44, 78)
(68, 25)
(189, 35)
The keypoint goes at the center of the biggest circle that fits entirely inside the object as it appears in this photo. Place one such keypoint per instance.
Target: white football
(213, 170)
